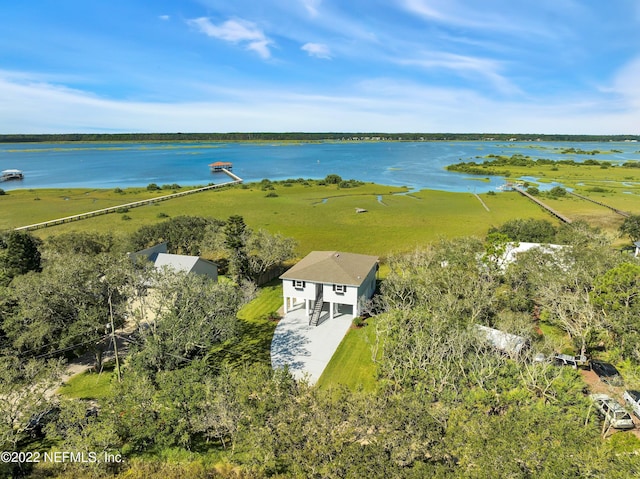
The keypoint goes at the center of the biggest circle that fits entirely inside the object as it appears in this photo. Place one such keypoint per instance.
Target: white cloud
(421, 8)
(319, 50)
(33, 105)
(464, 65)
(626, 82)
(312, 6)
(164, 17)
(236, 31)
(520, 21)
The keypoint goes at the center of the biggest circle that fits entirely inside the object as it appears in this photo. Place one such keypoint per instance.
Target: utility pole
(114, 339)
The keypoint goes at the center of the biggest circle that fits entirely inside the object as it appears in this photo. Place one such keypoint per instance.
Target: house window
(298, 284)
(339, 288)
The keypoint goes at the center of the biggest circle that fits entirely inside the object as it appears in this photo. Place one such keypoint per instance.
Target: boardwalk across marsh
(558, 215)
(135, 204)
(615, 210)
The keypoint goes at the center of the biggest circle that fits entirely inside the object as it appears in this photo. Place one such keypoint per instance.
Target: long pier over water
(113, 209)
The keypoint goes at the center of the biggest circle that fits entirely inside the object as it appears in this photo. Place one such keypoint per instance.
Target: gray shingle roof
(332, 267)
(177, 262)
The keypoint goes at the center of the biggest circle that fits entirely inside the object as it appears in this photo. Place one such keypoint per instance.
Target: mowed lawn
(89, 385)
(255, 330)
(352, 364)
(318, 217)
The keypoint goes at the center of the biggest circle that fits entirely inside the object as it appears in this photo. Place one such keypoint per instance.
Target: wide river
(418, 165)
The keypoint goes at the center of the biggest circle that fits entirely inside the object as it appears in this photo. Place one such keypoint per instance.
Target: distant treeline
(298, 136)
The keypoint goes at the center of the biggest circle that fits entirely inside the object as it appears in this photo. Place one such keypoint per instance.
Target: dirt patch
(596, 386)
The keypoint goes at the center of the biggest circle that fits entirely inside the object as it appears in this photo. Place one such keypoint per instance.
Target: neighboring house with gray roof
(178, 262)
(340, 281)
(187, 264)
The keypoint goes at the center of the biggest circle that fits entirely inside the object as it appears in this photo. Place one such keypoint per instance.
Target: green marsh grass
(397, 223)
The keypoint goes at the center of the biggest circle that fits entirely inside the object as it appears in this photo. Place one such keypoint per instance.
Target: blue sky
(543, 66)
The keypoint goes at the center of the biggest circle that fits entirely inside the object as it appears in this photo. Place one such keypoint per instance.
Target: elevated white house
(339, 282)
(178, 262)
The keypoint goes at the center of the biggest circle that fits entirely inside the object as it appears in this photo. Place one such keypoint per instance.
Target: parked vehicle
(37, 422)
(632, 398)
(567, 360)
(612, 412)
(606, 372)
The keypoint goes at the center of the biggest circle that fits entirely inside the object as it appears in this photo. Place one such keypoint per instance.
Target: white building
(178, 262)
(341, 282)
(514, 249)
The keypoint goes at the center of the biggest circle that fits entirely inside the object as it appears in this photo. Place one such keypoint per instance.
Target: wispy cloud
(464, 65)
(312, 6)
(521, 21)
(455, 65)
(319, 50)
(378, 104)
(625, 83)
(236, 31)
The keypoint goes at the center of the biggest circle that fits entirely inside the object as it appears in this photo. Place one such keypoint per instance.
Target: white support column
(286, 301)
(331, 305)
(306, 307)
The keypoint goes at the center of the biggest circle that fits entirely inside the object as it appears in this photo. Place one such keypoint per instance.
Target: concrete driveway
(307, 349)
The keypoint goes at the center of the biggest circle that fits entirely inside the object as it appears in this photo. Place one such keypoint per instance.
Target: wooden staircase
(314, 318)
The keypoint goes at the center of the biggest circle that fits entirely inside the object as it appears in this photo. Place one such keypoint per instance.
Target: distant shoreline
(305, 137)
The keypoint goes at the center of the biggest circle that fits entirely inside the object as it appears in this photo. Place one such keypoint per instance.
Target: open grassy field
(89, 385)
(25, 207)
(318, 217)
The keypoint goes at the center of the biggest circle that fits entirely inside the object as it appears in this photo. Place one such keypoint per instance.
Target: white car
(633, 400)
(612, 412)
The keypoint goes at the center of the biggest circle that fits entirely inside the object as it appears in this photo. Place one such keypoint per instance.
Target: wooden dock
(558, 215)
(221, 166)
(615, 210)
(113, 209)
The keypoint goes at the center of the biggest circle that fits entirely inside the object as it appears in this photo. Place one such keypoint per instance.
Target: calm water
(416, 165)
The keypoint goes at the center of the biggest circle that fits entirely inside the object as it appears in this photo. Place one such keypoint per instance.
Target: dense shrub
(332, 179)
(557, 192)
(529, 230)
